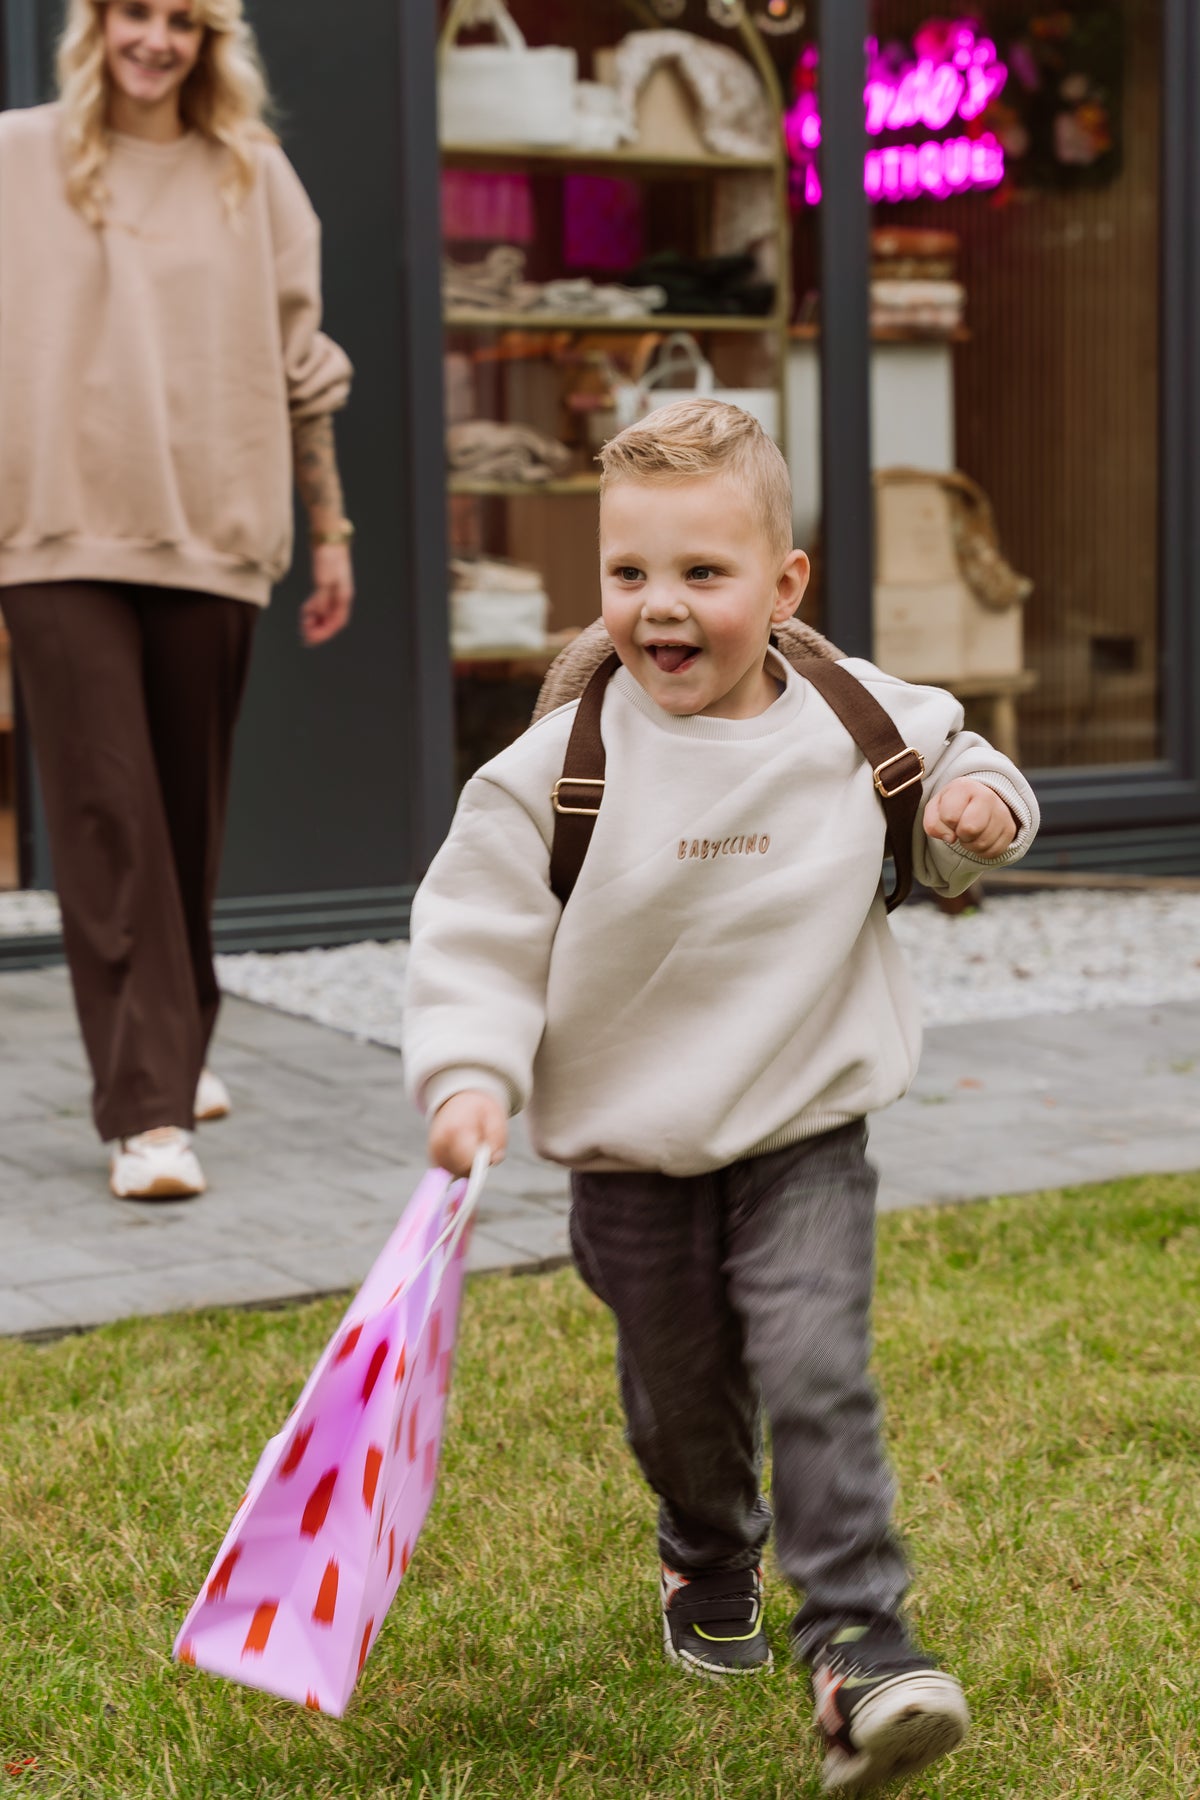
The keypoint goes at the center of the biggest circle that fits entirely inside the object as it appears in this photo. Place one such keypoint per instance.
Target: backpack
(588, 664)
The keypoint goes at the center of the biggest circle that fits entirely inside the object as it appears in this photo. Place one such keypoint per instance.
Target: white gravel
(359, 988)
(28, 915)
(1017, 954)
(1053, 953)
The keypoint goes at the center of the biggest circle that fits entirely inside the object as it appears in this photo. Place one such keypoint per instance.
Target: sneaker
(212, 1098)
(884, 1709)
(712, 1624)
(156, 1165)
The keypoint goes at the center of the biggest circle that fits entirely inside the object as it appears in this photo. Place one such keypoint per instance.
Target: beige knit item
(574, 667)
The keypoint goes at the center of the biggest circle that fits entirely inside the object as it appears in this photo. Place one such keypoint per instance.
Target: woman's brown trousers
(132, 695)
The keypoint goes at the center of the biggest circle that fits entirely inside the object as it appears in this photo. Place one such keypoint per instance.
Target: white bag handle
(449, 1235)
(679, 349)
(465, 13)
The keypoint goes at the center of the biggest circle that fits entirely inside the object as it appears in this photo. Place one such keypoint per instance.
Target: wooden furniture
(994, 699)
(512, 665)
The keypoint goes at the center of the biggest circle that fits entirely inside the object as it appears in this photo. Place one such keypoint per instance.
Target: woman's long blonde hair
(225, 97)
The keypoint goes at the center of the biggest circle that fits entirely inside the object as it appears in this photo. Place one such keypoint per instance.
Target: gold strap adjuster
(577, 781)
(889, 793)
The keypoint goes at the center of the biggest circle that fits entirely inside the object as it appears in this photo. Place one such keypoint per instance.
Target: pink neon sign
(930, 93)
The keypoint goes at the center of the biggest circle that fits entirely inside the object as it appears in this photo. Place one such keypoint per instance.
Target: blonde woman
(162, 373)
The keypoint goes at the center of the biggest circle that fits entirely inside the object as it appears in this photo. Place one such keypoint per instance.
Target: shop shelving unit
(465, 326)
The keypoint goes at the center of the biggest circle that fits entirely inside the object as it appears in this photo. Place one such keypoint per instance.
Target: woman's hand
(327, 609)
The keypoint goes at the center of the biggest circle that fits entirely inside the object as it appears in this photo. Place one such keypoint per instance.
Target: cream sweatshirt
(150, 370)
(723, 981)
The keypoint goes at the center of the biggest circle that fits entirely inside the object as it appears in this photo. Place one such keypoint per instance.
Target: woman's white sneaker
(212, 1098)
(156, 1165)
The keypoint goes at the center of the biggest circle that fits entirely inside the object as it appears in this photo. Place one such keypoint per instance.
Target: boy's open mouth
(672, 658)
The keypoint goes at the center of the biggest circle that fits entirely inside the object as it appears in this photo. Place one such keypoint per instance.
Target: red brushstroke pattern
(326, 1604)
(295, 1455)
(260, 1628)
(317, 1509)
(371, 1470)
(218, 1587)
(374, 1368)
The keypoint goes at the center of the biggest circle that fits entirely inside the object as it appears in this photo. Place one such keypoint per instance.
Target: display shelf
(564, 484)
(746, 350)
(460, 320)
(524, 158)
(512, 663)
(889, 334)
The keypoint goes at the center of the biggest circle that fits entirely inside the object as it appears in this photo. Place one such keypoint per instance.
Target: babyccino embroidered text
(705, 849)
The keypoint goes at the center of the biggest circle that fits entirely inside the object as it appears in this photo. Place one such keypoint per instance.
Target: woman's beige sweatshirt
(723, 981)
(150, 370)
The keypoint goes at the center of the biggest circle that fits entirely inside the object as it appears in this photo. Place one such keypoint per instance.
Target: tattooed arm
(317, 478)
(315, 460)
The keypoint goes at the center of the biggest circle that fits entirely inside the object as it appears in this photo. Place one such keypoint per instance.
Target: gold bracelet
(341, 534)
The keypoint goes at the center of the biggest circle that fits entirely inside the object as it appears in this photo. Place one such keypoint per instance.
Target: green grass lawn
(1040, 1360)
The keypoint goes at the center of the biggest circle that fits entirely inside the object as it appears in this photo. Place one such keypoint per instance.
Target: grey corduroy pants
(742, 1293)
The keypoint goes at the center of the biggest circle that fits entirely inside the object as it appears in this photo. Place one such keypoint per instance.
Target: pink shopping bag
(323, 1537)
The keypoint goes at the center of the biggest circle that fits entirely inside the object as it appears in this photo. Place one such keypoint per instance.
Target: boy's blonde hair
(696, 437)
(225, 98)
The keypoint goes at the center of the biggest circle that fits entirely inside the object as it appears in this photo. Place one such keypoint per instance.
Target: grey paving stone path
(311, 1172)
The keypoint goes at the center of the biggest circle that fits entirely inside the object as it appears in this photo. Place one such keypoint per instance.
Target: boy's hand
(972, 815)
(461, 1126)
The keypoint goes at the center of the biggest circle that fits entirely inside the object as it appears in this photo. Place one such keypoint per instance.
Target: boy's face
(691, 590)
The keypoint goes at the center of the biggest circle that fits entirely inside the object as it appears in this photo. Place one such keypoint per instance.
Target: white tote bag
(680, 353)
(503, 93)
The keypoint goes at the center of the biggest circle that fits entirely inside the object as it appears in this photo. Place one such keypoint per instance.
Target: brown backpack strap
(899, 771)
(579, 789)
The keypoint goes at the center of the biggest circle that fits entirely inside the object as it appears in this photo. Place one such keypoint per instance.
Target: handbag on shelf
(681, 353)
(507, 92)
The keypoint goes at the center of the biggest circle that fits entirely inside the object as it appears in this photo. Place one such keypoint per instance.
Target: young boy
(698, 1035)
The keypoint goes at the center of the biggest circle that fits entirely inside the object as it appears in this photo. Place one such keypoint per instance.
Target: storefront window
(1013, 168)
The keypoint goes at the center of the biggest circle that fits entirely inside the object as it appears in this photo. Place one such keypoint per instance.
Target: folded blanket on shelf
(493, 452)
(484, 286)
(917, 305)
(496, 284)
